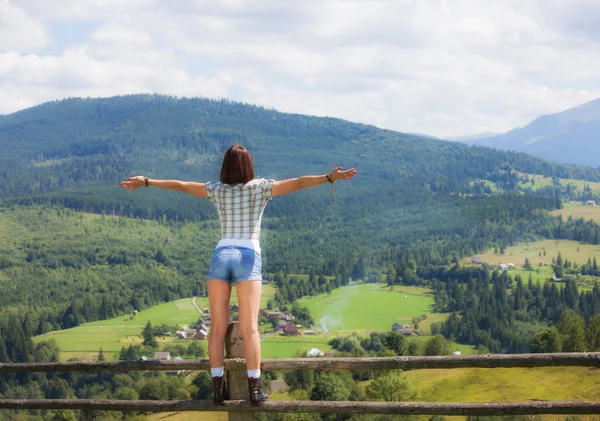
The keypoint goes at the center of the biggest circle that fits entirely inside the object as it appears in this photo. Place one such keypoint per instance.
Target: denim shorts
(233, 263)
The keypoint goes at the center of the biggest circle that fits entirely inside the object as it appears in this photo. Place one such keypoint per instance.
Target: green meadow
(367, 307)
(578, 211)
(541, 181)
(362, 308)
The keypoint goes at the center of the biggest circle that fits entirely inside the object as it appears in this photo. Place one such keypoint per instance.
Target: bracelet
(332, 181)
(146, 181)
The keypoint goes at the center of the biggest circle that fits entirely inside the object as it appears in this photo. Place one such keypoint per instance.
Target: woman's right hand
(339, 174)
(133, 183)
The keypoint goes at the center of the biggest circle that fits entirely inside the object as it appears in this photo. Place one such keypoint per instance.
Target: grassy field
(475, 385)
(572, 250)
(578, 211)
(367, 307)
(532, 250)
(379, 307)
(507, 384)
(541, 181)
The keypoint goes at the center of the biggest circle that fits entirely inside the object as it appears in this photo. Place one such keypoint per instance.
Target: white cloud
(18, 30)
(437, 67)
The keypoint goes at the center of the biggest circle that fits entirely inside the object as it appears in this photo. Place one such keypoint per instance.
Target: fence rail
(240, 410)
(576, 359)
(321, 407)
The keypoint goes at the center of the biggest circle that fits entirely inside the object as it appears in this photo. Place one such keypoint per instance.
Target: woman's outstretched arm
(292, 184)
(190, 187)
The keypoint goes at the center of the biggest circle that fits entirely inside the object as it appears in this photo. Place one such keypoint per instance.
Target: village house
(503, 266)
(476, 259)
(280, 326)
(162, 356)
(234, 307)
(407, 331)
(397, 326)
(291, 330)
(190, 332)
(201, 334)
(590, 203)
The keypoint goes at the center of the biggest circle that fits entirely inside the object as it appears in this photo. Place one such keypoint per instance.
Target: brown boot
(256, 395)
(219, 390)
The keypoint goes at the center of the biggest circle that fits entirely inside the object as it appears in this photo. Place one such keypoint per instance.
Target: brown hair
(237, 166)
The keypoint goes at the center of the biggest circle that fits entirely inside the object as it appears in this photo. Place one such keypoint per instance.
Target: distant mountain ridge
(571, 136)
(472, 136)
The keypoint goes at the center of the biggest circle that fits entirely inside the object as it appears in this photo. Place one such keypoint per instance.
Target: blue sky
(438, 67)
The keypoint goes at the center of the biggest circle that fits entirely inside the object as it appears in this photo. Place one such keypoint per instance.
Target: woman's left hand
(339, 174)
(133, 183)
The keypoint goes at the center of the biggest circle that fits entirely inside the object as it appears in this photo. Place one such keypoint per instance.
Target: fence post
(237, 380)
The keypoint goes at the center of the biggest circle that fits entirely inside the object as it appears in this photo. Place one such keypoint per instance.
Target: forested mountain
(570, 136)
(414, 201)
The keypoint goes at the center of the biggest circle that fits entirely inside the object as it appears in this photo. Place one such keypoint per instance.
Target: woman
(240, 201)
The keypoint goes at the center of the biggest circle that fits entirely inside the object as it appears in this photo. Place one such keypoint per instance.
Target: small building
(456, 353)
(407, 331)
(190, 332)
(234, 307)
(510, 265)
(201, 334)
(590, 203)
(397, 326)
(181, 334)
(286, 317)
(280, 326)
(162, 356)
(291, 330)
(315, 353)
(309, 332)
(503, 266)
(476, 259)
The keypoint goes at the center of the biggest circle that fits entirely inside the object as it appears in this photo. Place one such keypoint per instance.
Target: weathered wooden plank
(581, 359)
(323, 407)
(237, 376)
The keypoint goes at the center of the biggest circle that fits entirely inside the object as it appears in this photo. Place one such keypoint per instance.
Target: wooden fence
(240, 410)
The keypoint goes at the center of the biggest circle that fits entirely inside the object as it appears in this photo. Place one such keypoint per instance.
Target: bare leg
(248, 293)
(219, 293)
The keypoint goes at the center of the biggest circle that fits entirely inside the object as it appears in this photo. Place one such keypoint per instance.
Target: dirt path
(196, 305)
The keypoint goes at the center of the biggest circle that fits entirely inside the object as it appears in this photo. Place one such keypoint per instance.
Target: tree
(148, 335)
(572, 330)
(126, 394)
(592, 333)
(195, 350)
(154, 389)
(204, 387)
(527, 265)
(397, 343)
(101, 355)
(391, 387)
(64, 415)
(546, 341)
(329, 387)
(437, 345)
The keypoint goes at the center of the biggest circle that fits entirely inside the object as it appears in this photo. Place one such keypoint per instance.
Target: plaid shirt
(240, 207)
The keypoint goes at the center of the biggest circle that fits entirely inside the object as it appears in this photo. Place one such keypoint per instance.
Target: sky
(439, 67)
